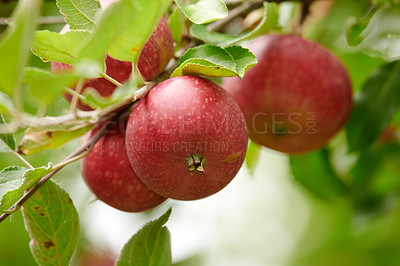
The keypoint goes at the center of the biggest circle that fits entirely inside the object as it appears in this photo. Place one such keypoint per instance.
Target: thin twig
(41, 20)
(71, 158)
(23, 160)
(244, 8)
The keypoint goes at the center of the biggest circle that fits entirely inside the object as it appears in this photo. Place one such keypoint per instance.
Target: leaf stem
(110, 79)
(22, 159)
(78, 90)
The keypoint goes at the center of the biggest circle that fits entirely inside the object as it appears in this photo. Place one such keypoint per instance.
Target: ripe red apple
(297, 96)
(187, 138)
(108, 174)
(153, 59)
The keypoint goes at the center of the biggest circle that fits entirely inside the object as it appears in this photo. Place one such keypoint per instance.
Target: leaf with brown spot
(55, 229)
(42, 138)
(48, 244)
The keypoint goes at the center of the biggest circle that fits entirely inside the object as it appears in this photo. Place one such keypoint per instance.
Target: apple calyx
(195, 163)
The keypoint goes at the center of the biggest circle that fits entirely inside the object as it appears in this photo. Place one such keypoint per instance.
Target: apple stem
(195, 163)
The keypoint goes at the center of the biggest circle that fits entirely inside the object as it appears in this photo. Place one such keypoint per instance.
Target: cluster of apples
(187, 138)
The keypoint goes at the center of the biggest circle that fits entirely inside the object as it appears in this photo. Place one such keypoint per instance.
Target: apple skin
(181, 118)
(297, 96)
(153, 59)
(107, 172)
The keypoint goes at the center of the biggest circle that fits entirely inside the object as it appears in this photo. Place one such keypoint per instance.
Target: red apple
(297, 96)
(153, 59)
(187, 138)
(108, 174)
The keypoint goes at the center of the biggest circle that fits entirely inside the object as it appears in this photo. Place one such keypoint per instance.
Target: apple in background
(297, 96)
(153, 59)
(187, 138)
(108, 173)
(94, 257)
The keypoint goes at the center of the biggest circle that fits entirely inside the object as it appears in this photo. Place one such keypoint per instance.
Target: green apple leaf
(176, 24)
(6, 104)
(64, 48)
(252, 155)
(7, 141)
(203, 11)
(375, 176)
(43, 138)
(377, 33)
(11, 178)
(52, 223)
(356, 27)
(151, 245)
(79, 14)
(95, 100)
(124, 28)
(211, 60)
(15, 42)
(210, 37)
(268, 22)
(45, 86)
(374, 107)
(314, 171)
(18, 181)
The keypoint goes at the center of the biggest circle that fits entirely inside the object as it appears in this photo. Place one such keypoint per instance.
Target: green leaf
(252, 155)
(151, 245)
(215, 61)
(124, 28)
(64, 48)
(45, 86)
(268, 22)
(177, 24)
(356, 27)
(210, 37)
(374, 107)
(376, 176)
(7, 141)
(43, 138)
(314, 171)
(6, 104)
(95, 100)
(379, 34)
(15, 43)
(203, 11)
(11, 178)
(26, 181)
(52, 223)
(79, 14)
